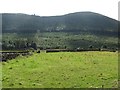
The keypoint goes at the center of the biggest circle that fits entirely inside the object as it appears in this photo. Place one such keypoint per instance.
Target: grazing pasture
(95, 69)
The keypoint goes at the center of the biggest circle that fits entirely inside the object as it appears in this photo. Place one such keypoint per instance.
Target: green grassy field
(62, 70)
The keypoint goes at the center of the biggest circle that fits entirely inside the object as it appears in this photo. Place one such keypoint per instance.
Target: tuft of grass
(10, 67)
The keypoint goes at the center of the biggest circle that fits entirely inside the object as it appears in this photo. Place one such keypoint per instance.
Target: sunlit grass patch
(62, 70)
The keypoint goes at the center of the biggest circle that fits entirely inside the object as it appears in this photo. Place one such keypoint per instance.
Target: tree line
(25, 45)
(21, 45)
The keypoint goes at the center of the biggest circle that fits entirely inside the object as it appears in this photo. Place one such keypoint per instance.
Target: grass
(62, 70)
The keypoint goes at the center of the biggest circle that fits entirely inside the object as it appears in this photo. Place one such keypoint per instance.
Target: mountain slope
(74, 30)
(74, 22)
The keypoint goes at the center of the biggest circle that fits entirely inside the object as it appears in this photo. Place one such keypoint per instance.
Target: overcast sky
(60, 7)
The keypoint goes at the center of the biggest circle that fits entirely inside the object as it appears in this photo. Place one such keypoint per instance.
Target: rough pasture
(62, 70)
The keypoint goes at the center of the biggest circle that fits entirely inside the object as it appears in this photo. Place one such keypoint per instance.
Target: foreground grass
(62, 70)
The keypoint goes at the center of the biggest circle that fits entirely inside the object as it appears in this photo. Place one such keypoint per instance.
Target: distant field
(62, 70)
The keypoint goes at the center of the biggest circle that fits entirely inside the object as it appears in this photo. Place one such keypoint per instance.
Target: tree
(90, 46)
(104, 46)
(4, 45)
(34, 45)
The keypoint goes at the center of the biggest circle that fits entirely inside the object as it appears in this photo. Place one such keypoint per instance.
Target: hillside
(74, 22)
(80, 29)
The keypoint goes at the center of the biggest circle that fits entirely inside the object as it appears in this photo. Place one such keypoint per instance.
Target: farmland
(95, 69)
(75, 50)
